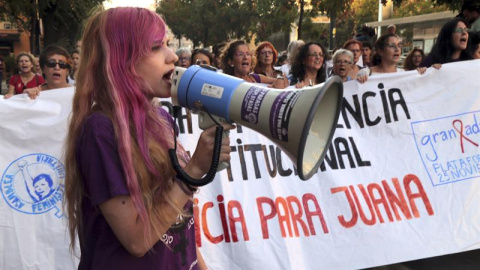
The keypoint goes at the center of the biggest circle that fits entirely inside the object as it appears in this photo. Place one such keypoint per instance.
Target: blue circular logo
(33, 184)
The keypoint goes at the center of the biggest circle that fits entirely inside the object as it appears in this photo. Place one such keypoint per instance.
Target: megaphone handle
(223, 165)
(208, 178)
(204, 122)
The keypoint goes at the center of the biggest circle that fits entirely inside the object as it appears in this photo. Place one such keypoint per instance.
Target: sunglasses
(52, 63)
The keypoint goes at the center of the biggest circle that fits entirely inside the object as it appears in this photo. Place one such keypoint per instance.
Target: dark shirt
(428, 61)
(100, 167)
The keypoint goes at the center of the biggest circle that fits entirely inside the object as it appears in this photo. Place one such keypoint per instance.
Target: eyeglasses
(243, 54)
(263, 53)
(394, 46)
(461, 30)
(183, 59)
(316, 55)
(342, 62)
(52, 64)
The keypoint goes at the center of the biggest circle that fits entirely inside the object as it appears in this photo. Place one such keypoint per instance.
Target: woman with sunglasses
(237, 61)
(55, 64)
(451, 44)
(26, 81)
(266, 59)
(308, 66)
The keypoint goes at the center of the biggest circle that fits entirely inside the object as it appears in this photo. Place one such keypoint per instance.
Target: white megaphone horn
(301, 122)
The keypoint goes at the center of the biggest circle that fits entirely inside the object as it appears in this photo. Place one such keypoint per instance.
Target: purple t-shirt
(100, 167)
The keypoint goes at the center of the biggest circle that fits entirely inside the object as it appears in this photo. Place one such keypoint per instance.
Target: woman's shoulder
(99, 124)
(14, 78)
(256, 77)
(37, 79)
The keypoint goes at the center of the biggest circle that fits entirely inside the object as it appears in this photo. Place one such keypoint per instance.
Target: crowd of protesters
(307, 64)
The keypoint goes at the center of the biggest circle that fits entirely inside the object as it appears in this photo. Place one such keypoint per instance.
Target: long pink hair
(114, 41)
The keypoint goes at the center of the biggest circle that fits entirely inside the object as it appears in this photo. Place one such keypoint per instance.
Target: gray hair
(293, 46)
(340, 52)
(182, 50)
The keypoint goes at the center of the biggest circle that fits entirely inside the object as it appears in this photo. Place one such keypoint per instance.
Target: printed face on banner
(31, 184)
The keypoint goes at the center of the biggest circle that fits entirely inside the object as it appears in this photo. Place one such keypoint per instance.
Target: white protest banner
(400, 182)
(32, 224)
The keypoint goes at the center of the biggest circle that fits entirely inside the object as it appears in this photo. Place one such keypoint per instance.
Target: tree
(208, 22)
(450, 4)
(62, 19)
(274, 16)
(417, 7)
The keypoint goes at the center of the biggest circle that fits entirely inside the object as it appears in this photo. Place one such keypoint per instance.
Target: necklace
(25, 79)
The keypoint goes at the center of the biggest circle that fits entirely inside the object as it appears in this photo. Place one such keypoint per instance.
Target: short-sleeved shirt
(100, 167)
(19, 86)
(256, 77)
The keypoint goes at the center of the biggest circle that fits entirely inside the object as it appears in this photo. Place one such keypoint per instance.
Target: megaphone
(301, 122)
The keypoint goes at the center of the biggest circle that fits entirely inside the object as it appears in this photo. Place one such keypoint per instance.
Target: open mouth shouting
(246, 64)
(56, 76)
(25, 68)
(168, 77)
(463, 42)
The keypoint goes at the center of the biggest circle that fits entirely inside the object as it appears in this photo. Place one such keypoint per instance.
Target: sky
(129, 3)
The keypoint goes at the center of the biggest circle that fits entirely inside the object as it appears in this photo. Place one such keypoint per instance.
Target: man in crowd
(471, 13)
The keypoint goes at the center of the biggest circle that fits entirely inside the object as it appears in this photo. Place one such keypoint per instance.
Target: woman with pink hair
(123, 196)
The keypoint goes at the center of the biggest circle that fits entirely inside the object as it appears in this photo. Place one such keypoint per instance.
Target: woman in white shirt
(388, 51)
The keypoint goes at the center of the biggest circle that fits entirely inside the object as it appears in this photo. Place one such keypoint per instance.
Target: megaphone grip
(208, 178)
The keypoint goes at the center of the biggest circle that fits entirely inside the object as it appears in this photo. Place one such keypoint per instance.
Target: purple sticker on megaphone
(251, 104)
(280, 114)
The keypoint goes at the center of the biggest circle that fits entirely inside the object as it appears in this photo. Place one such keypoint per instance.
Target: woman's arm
(33, 92)
(10, 93)
(201, 262)
(281, 82)
(124, 219)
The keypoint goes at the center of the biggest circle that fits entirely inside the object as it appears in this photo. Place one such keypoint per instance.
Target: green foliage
(449, 4)
(62, 19)
(365, 11)
(274, 16)
(417, 7)
(208, 22)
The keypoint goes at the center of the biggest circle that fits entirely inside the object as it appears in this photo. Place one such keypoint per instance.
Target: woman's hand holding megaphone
(201, 160)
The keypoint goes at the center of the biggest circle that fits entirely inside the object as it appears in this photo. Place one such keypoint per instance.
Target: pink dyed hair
(128, 37)
(115, 41)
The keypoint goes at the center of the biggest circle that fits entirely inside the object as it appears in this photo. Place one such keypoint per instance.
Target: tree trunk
(300, 19)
